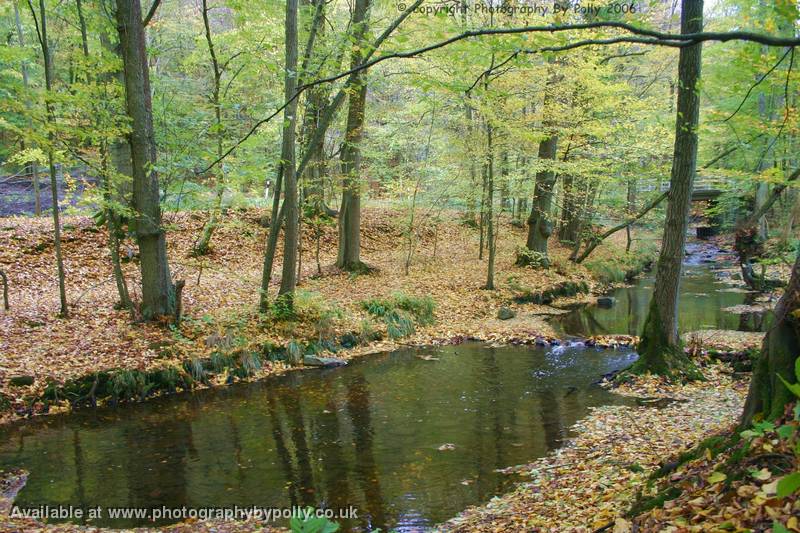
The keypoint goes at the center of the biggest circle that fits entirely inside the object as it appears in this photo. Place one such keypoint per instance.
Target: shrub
(401, 312)
(531, 259)
(307, 307)
(606, 271)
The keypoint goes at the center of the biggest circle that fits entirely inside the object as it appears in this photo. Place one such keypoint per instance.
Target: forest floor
(677, 464)
(221, 295)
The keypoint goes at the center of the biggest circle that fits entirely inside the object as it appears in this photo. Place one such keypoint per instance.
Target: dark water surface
(704, 296)
(366, 435)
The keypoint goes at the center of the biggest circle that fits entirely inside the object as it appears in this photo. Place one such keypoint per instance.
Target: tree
(201, 247)
(49, 81)
(34, 166)
(349, 256)
(780, 350)
(660, 349)
(540, 224)
(291, 234)
(158, 292)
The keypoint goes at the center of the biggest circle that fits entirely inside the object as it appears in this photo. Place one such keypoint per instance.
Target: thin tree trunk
(490, 236)
(114, 231)
(272, 242)
(595, 241)
(349, 255)
(4, 278)
(327, 115)
(33, 166)
(82, 25)
(201, 247)
(158, 295)
(568, 232)
(117, 155)
(291, 237)
(660, 349)
(631, 204)
(48, 76)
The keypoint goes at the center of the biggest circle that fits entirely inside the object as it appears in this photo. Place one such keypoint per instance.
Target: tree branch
(600, 238)
(651, 37)
(766, 206)
(149, 16)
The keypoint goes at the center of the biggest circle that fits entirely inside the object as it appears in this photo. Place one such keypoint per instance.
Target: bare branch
(151, 13)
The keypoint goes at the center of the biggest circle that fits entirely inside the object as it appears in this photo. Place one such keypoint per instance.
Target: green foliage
(531, 258)
(794, 388)
(401, 312)
(620, 267)
(788, 485)
(420, 307)
(606, 271)
(310, 523)
(306, 306)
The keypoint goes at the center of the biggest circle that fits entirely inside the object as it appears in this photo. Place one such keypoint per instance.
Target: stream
(706, 291)
(410, 438)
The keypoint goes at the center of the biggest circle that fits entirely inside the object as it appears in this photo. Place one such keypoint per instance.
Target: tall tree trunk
(316, 99)
(48, 77)
(540, 225)
(291, 237)
(568, 231)
(116, 156)
(113, 226)
(34, 166)
(82, 26)
(631, 205)
(660, 349)
(779, 351)
(490, 229)
(473, 174)
(158, 293)
(349, 256)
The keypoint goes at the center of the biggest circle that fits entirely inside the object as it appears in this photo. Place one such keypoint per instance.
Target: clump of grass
(606, 270)
(401, 312)
(294, 352)
(307, 307)
(619, 268)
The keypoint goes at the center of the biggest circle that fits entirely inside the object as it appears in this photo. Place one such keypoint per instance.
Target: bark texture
(291, 237)
(768, 396)
(540, 225)
(48, 77)
(349, 253)
(660, 349)
(158, 295)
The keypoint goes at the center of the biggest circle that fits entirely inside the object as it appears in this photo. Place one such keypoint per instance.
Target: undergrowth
(401, 312)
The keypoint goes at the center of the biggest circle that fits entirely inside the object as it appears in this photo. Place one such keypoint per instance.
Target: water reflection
(367, 435)
(702, 306)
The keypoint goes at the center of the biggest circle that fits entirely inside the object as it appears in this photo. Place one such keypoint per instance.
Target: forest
(383, 265)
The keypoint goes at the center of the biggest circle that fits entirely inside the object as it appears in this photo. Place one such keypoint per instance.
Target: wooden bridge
(705, 187)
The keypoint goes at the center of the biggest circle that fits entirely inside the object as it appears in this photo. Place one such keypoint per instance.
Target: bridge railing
(701, 184)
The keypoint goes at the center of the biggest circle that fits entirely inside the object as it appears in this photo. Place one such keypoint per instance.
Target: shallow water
(704, 296)
(366, 435)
